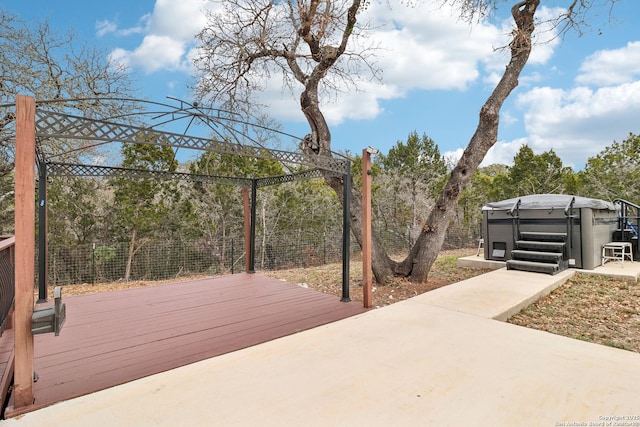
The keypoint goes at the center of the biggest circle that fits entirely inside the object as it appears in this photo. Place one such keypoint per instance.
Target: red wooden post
(247, 229)
(25, 217)
(366, 229)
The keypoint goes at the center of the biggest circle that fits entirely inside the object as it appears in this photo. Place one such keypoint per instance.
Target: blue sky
(576, 95)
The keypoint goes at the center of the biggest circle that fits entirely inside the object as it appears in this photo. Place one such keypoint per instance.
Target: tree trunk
(319, 142)
(429, 243)
(132, 246)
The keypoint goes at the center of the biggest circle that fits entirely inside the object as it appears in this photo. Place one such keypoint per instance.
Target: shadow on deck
(116, 337)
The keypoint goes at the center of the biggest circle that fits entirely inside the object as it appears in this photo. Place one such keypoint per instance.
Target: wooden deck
(112, 338)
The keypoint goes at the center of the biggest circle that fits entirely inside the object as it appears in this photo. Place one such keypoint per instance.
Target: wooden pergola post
(366, 229)
(25, 217)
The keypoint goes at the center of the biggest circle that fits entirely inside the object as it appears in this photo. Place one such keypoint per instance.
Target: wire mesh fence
(151, 260)
(160, 260)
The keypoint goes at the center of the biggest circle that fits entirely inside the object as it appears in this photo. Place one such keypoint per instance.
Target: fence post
(25, 218)
(93, 263)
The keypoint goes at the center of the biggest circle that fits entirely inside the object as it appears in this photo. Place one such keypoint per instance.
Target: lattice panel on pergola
(66, 169)
(50, 124)
(69, 169)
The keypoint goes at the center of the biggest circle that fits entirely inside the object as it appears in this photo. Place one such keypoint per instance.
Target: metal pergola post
(252, 243)
(42, 232)
(346, 235)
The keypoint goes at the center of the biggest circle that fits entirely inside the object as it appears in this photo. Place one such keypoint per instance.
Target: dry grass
(328, 279)
(592, 308)
(88, 288)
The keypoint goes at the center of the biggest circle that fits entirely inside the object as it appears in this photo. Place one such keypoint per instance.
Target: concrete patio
(437, 359)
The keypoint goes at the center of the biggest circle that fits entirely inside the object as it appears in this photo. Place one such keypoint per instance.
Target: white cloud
(423, 48)
(580, 122)
(158, 52)
(502, 152)
(179, 20)
(363, 104)
(105, 27)
(545, 36)
(610, 67)
(169, 36)
(120, 58)
(545, 43)
(420, 49)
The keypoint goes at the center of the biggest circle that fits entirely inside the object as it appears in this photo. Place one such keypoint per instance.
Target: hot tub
(584, 225)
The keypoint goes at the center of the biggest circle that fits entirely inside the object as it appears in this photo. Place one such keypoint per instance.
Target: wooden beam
(366, 229)
(25, 218)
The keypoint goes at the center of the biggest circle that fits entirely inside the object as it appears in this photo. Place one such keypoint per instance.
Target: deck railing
(7, 279)
(627, 220)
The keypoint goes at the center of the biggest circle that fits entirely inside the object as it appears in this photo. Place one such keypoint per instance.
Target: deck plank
(6, 362)
(116, 337)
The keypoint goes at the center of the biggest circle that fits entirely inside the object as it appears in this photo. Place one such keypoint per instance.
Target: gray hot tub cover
(549, 201)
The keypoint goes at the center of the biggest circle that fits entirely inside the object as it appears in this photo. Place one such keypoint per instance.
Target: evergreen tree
(140, 204)
(614, 173)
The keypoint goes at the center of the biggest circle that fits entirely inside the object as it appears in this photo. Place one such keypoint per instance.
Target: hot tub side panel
(598, 226)
(497, 232)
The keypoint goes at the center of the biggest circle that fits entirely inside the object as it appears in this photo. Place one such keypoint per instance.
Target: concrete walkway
(438, 359)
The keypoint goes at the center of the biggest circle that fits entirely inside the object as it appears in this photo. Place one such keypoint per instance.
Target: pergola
(40, 121)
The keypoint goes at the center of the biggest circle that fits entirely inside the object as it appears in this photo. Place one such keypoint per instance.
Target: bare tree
(36, 60)
(307, 41)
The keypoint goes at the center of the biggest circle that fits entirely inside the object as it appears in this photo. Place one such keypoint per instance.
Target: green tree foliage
(7, 197)
(530, 174)
(413, 175)
(298, 211)
(537, 173)
(418, 162)
(74, 209)
(489, 184)
(141, 204)
(614, 172)
(218, 207)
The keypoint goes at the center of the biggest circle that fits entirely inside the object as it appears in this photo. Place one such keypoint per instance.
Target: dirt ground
(328, 279)
(591, 308)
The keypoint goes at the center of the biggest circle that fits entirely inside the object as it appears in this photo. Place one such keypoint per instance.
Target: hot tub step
(535, 267)
(541, 246)
(543, 236)
(523, 255)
